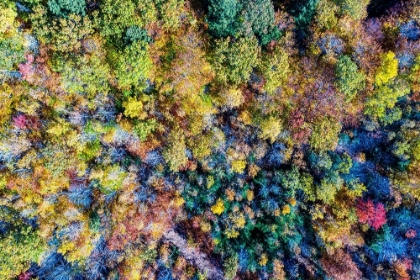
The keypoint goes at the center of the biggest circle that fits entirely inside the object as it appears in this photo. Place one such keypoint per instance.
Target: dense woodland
(214, 139)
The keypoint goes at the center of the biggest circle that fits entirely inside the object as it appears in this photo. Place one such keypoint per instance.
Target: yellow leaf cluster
(387, 70)
(270, 129)
(238, 166)
(134, 108)
(218, 208)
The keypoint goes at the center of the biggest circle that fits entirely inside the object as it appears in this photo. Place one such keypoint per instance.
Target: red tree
(368, 212)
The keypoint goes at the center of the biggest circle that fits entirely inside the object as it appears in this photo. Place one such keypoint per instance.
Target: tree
(387, 70)
(326, 15)
(133, 108)
(233, 60)
(222, 17)
(63, 34)
(275, 69)
(384, 97)
(133, 66)
(325, 135)
(20, 244)
(7, 17)
(87, 76)
(340, 266)
(259, 18)
(349, 79)
(414, 78)
(270, 129)
(63, 8)
(373, 215)
(174, 153)
(170, 13)
(218, 207)
(357, 10)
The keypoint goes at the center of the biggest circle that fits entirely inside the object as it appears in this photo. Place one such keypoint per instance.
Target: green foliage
(231, 267)
(90, 151)
(174, 154)
(270, 129)
(63, 8)
(303, 12)
(145, 128)
(233, 60)
(133, 108)
(116, 16)
(385, 97)
(326, 14)
(17, 250)
(88, 76)
(133, 66)
(7, 18)
(19, 246)
(275, 69)
(349, 79)
(259, 17)
(325, 135)
(170, 13)
(355, 9)
(11, 52)
(136, 33)
(222, 17)
(62, 34)
(110, 178)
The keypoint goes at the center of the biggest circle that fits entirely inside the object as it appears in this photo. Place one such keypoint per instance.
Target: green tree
(133, 66)
(87, 76)
(116, 16)
(63, 8)
(259, 18)
(325, 135)
(8, 14)
(174, 154)
(385, 97)
(326, 14)
(355, 9)
(63, 34)
(349, 79)
(233, 60)
(275, 69)
(11, 52)
(19, 245)
(136, 33)
(222, 17)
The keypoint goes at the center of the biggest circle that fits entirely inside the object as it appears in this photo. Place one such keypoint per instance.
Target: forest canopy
(216, 139)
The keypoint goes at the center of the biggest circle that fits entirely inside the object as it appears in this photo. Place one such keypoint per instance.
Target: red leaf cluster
(27, 70)
(368, 212)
